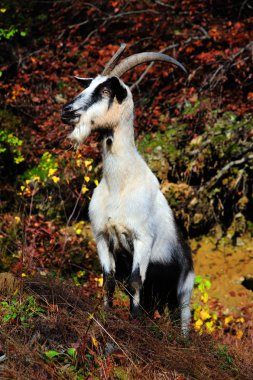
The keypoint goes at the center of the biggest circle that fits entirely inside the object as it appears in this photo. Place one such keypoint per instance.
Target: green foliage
(70, 354)
(169, 141)
(78, 277)
(67, 361)
(46, 168)
(120, 373)
(216, 160)
(9, 33)
(20, 311)
(191, 109)
(227, 361)
(13, 143)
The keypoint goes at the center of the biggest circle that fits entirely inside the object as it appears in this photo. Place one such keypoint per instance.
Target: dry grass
(109, 346)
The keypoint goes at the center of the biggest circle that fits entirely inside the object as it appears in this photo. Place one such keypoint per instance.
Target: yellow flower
(17, 219)
(78, 163)
(23, 275)
(84, 189)
(210, 326)
(239, 334)
(22, 188)
(198, 324)
(94, 341)
(36, 178)
(240, 320)
(204, 297)
(204, 315)
(88, 162)
(78, 231)
(228, 320)
(99, 281)
(87, 179)
(96, 182)
(55, 179)
(51, 172)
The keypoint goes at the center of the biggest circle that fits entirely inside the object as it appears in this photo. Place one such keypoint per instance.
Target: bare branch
(224, 170)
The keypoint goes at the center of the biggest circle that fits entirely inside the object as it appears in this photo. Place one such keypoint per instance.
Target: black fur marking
(109, 141)
(107, 135)
(124, 262)
(183, 252)
(109, 286)
(115, 89)
(160, 287)
(135, 288)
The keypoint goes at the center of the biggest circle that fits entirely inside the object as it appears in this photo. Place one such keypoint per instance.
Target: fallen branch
(224, 170)
(227, 65)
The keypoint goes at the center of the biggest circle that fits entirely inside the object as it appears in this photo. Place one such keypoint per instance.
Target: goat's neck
(119, 151)
(119, 141)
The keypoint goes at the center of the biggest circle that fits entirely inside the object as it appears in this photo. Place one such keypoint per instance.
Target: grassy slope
(109, 346)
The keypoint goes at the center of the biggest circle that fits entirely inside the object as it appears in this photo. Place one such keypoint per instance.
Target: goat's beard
(80, 132)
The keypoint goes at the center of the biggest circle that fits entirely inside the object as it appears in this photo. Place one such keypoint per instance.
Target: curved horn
(137, 59)
(113, 61)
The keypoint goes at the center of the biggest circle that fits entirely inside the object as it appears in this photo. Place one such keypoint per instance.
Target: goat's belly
(118, 236)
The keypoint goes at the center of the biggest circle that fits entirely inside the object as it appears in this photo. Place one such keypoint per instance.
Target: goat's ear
(84, 81)
(119, 91)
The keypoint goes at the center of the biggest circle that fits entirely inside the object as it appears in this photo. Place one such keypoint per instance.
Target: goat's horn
(113, 61)
(137, 59)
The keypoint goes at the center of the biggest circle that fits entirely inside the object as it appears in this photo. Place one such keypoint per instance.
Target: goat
(136, 234)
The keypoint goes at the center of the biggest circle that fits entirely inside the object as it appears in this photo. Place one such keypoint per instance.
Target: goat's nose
(67, 108)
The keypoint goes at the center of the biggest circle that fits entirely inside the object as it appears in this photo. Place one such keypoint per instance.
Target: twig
(163, 4)
(112, 17)
(224, 170)
(93, 32)
(114, 341)
(69, 220)
(227, 65)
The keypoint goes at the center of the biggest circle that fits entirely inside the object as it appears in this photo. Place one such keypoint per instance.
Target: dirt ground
(227, 267)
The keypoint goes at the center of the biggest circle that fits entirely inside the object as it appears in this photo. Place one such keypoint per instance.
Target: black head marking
(108, 136)
(115, 89)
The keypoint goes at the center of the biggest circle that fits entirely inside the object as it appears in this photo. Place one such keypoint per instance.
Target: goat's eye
(105, 92)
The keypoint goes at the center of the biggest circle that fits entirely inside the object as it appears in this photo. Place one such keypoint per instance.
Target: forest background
(196, 134)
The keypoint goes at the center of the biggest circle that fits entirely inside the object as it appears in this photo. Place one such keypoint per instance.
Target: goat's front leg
(141, 258)
(108, 265)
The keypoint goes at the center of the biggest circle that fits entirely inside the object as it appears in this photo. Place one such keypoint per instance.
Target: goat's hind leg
(185, 286)
(108, 265)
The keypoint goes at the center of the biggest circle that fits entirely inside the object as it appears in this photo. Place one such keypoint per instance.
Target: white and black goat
(137, 238)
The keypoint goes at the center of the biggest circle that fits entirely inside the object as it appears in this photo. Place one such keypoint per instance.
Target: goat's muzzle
(69, 116)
